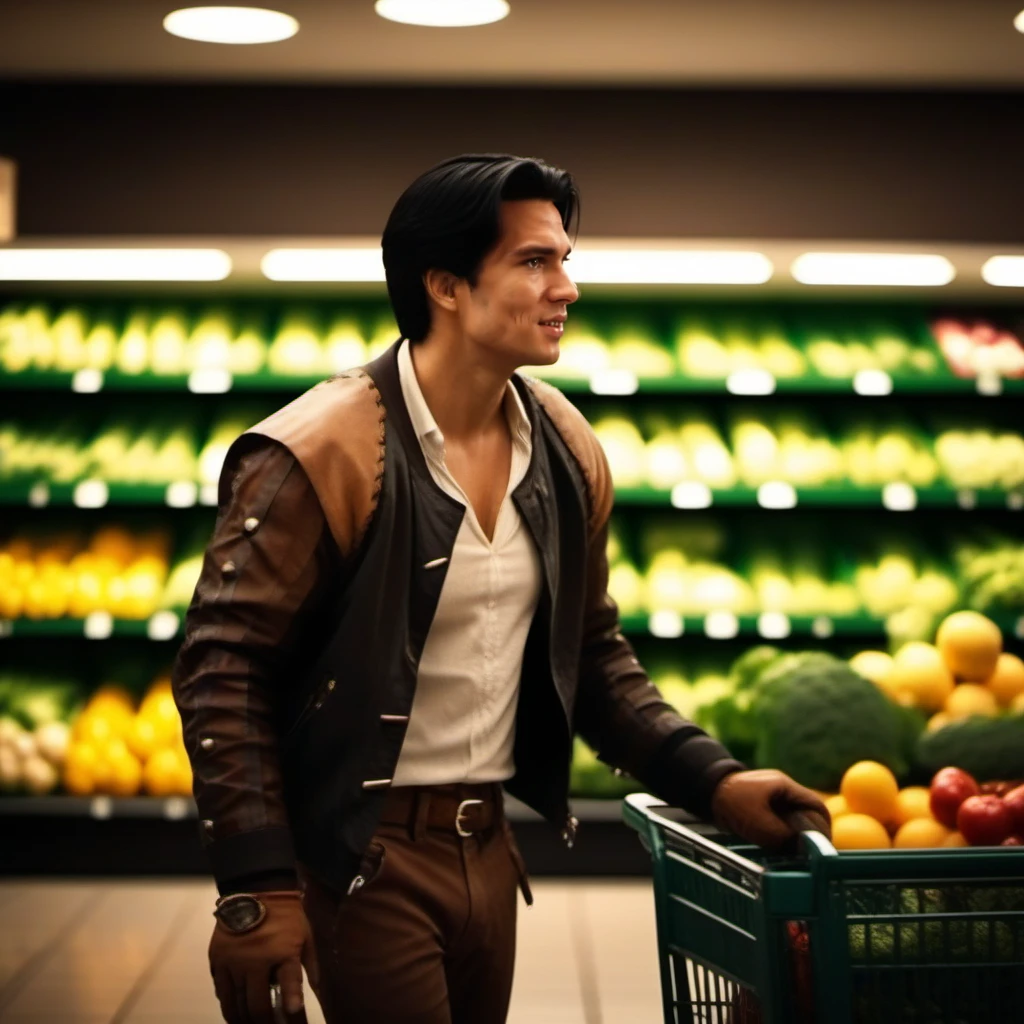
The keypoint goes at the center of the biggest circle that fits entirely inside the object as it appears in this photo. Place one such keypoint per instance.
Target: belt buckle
(460, 813)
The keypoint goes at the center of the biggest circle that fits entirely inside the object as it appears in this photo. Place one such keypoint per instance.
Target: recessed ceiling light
(869, 268)
(348, 264)
(1018, 22)
(443, 13)
(235, 25)
(114, 265)
(668, 266)
(1004, 271)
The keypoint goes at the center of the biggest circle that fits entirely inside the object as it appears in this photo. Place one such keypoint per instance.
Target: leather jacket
(297, 673)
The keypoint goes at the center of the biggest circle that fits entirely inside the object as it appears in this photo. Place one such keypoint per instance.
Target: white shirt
(462, 724)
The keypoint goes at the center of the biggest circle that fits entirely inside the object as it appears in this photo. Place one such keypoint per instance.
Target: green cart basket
(867, 937)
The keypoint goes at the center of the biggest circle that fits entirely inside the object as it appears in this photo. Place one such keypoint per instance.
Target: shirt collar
(423, 422)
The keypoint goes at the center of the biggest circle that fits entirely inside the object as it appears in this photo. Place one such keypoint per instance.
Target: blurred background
(801, 256)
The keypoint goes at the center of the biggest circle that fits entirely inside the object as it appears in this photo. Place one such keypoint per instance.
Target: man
(404, 607)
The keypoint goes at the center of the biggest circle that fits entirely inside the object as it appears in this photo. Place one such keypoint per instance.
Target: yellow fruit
(183, 780)
(126, 776)
(970, 644)
(938, 721)
(1017, 707)
(971, 699)
(919, 834)
(80, 769)
(955, 839)
(870, 788)
(873, 665)
(162, 774)
(859, 832)
(920, 672)
(94, 727)
(837, 806)
(113, 543)
(162, 712)
(911, 803)
(1007, 681)
(111, 693)
(143, 737)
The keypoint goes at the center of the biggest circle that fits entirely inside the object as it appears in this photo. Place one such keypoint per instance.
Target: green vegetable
(816, 717)
(988, 748)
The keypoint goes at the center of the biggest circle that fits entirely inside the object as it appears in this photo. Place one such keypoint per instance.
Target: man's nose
(564, 289)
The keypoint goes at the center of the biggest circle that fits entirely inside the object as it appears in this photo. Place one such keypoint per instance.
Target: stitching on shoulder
(379, 475)
(538, 387)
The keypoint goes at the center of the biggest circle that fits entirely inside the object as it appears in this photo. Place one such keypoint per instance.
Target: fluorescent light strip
(358, 265)
(236, 26)
(668, 266)
(1004, 271)
(114, 265)
(443, 13)
(887, 269)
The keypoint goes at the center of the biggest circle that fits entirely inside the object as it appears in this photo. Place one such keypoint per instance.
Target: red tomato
(950, 788)
(1014, 801)
(984, 820)
(1013, 841)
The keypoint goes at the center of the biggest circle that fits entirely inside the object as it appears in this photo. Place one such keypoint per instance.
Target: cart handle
(640, 809)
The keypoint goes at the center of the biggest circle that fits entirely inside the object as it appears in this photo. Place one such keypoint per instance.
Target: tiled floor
(134, 952)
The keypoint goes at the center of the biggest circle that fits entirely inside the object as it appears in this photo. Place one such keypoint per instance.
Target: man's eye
(534, 261)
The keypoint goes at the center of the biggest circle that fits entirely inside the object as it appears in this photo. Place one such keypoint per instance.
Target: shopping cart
(867, 937)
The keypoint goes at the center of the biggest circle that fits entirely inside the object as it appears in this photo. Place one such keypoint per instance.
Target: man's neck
(464, 395)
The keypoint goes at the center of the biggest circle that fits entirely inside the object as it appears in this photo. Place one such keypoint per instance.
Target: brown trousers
(428, 935)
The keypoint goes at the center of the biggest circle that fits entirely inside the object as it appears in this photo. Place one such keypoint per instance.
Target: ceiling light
(1004, 271)
(668, 266)
(355, 264)
(443, 13)
(114, 265)
(236, 25)
(1018, 22)
(862, 268)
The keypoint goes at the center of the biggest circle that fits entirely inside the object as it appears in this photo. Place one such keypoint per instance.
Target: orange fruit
(1007, 681)
(919, 672)
(161, 775)
(859, 832)
(955, 839)
(970, 644)
(912, 803)
(920, 834)
(971, 699)
(870, 788)
(837, 806)
(1017, 706)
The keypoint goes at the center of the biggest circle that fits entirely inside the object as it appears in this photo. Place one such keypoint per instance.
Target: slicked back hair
(449, 219)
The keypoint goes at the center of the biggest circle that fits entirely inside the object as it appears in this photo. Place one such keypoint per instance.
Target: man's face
(518, 308)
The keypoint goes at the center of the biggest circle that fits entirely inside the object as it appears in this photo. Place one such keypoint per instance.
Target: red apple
(950, 788)
(1013, 841)
(1014, 801)
(984, 820)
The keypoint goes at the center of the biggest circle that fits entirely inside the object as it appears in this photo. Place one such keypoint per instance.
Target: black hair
(449, 219)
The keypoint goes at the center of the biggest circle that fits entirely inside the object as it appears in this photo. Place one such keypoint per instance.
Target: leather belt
(463, 808)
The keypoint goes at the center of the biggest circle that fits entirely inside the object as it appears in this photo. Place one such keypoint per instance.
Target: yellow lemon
(1007, 681)
(79, 773)
(919, 834)
(162, 774)
(918, 671)
(837, 806)
(870, 788)
(970, 644)
(143, 738)
(911, 803)
(955, 839)
(971, 699)
(859, 832)
(126, 775)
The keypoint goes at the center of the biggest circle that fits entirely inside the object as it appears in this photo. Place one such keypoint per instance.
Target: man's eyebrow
(538, 250)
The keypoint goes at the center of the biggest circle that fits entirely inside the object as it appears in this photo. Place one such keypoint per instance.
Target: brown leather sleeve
(263, 584)
(619, 712)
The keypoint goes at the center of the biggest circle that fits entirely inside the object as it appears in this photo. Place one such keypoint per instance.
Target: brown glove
(764, 807)
(245, 965)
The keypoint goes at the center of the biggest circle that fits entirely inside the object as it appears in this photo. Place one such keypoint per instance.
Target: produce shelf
(608, 383)
(721, 625)
(776, 495)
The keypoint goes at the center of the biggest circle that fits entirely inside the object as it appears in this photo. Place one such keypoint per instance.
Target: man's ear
(440, 285)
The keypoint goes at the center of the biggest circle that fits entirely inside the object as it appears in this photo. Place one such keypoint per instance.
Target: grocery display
(782, 474)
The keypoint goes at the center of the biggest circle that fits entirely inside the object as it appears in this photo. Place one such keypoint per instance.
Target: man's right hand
(245, 965)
